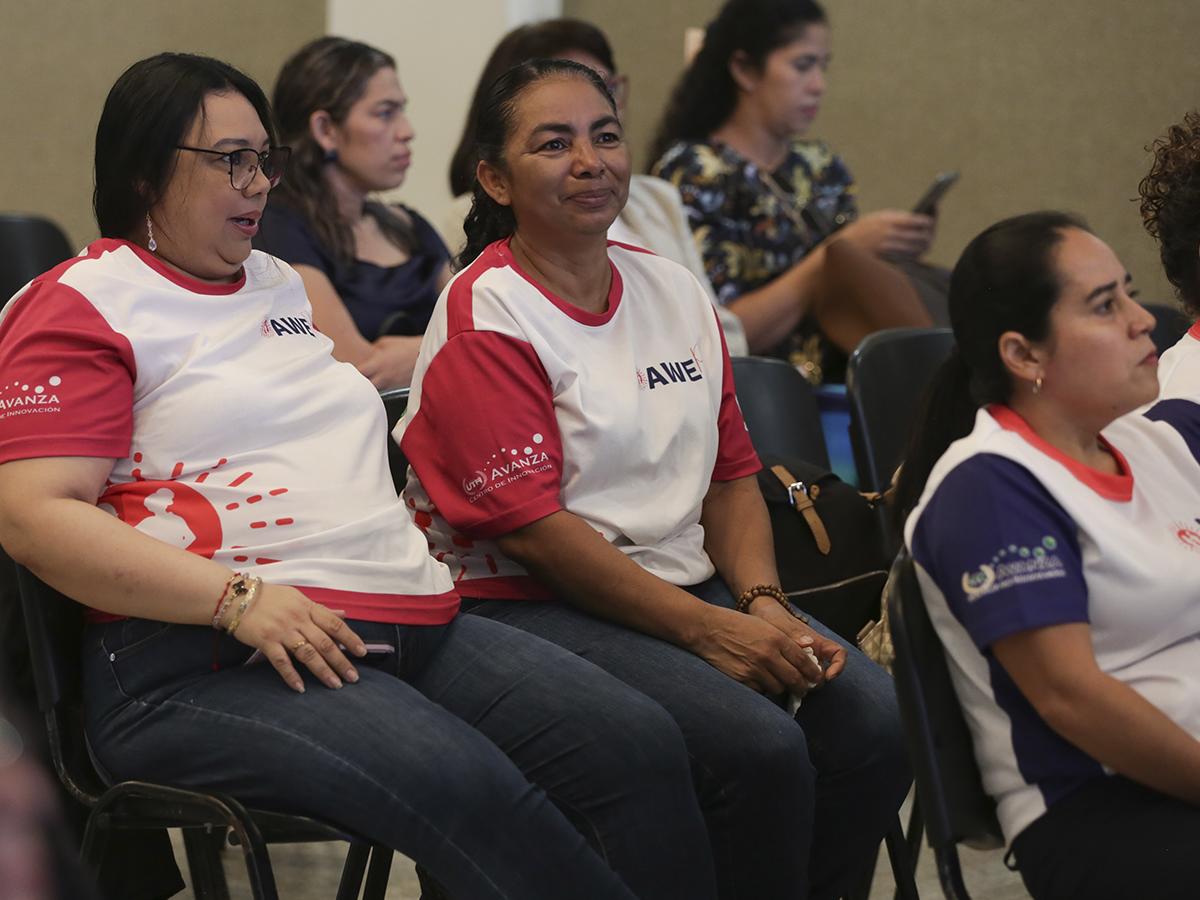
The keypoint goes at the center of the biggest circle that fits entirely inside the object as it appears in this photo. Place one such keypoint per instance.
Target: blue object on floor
(835, 423)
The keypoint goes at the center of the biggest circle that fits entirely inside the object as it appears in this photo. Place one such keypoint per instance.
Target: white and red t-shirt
(523, 404)
(1011, 535)
(235, 434)
(1179, 368)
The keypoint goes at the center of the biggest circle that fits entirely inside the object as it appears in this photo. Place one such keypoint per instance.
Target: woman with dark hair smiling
(371, 270)
(1055, 537)
(264, 618)
(579, 461)
(774, 213)
(653, 216)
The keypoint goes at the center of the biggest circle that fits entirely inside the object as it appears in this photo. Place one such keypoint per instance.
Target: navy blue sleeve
(1001, 550)
(429, 242)
(285, 234)
(1183, 416)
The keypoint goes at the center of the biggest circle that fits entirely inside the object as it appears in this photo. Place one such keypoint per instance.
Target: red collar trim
(195, 285)
(583, 317)
(1194, 331)
(1117, 487)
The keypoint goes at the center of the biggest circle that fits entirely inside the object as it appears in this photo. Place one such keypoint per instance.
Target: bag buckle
(796, 486)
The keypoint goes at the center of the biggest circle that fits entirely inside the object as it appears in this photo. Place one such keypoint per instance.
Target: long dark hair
(330, 74)
(1005, 280)
(147, 114)
(706, 95)
(488, 221)
(541, 40)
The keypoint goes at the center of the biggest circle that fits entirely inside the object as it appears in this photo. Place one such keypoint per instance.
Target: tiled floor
(311, 872)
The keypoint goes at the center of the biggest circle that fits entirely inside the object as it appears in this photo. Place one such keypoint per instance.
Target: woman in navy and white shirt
(1057, 542)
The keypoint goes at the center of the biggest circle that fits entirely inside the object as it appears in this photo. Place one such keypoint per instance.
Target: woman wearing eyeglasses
(372, 270)
(180, 452)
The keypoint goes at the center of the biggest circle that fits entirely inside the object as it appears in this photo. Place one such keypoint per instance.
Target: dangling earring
(1037, 385)
(330, 156)
(152, 244)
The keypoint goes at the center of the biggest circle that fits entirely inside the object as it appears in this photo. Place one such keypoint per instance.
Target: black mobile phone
(928, 204)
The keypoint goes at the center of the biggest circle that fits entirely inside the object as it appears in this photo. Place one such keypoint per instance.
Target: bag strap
(800, 500)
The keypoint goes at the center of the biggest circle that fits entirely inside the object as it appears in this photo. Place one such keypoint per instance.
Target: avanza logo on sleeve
(22, 397)
(507, 466)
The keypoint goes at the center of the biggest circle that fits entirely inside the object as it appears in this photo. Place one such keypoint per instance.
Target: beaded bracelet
(249, 598)
(236, 586)
(749, 595)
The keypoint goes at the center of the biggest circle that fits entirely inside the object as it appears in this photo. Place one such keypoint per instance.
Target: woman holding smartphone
(774, 214)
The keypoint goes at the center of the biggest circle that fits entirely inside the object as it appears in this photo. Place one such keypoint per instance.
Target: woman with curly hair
(1171, 213)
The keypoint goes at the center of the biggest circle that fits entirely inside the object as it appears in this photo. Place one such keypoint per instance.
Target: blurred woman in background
(371, 270)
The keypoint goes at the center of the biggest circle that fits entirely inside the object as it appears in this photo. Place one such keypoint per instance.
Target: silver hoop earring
(152, 244)
(1037, 385)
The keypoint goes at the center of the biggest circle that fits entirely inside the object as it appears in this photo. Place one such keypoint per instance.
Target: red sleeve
(735, 454)
(484, 441)
(66, 378)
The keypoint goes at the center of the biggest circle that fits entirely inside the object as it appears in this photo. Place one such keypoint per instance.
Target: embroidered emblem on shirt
(1014, 565)
(286, 325)
(1188, 535)
(667, 373)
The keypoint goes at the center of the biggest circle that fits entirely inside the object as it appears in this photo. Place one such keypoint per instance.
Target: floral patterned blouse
(751, 225)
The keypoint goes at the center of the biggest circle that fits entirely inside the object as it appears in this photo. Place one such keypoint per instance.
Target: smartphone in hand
(928, 204)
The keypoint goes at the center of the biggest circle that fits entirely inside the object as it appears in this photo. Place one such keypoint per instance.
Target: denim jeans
(491, 757)
(791, 811)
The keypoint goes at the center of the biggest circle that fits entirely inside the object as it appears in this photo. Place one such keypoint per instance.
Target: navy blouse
(373, 294)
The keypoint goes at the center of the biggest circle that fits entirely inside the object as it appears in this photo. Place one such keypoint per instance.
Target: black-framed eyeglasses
(244, 163)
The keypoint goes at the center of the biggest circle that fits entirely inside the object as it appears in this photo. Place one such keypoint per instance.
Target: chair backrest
(54, 626)
(29, 245)
(780, 410)
(395, 401)
(956, 807)
(1170, 324)
(885, 380)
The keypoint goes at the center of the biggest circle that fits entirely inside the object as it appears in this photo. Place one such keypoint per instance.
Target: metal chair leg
(903, 867)
(257, 859)
(352, 872)
(203, 846)
(378, 873)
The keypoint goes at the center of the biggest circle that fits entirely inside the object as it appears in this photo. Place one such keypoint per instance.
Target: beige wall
(58, 59)
(1038, 103)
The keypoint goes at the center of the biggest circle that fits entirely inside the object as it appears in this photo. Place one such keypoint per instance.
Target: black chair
(1170, 324)
(29, 245)
(780, 410)
(955, 806)
(395, 401)
(885, 379)
(54, 625)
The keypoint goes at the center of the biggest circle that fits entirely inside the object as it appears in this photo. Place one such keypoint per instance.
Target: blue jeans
(483, 753)
(791, 811)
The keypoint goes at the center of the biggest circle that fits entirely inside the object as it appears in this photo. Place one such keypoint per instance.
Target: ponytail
(487, 221)
(1005, 280)
(946, 413)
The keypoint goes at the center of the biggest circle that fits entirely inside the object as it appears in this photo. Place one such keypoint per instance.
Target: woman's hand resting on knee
(831, 656)
(283, 624)
(761, 654)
